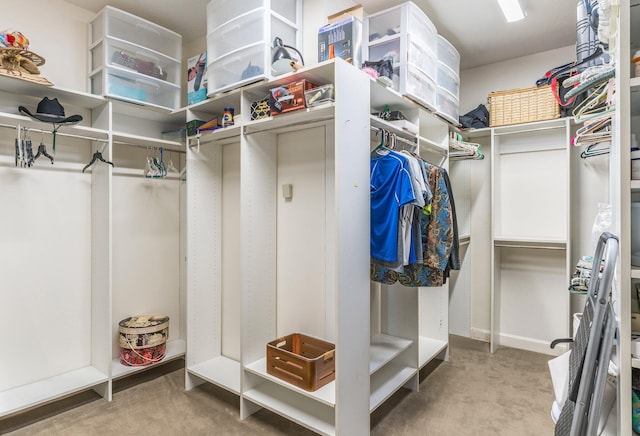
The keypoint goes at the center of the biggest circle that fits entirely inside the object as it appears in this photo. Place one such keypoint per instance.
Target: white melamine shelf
(146, 141)
(207, 137)
(464, 239)
(175, 350)
(429, 145)
(635, 272)
(65, 96)
(471, 134)
(148, 111)
(76, 130)
(635, 185)
(301, 410)
(537, 126)
(635, 362)
(523, 242)
(383, 124)
(384, 349)
(291, 120)
(382, 96)
(430, 349)
(387, 381)
(49, 389)
(221, 371)
(325, 395)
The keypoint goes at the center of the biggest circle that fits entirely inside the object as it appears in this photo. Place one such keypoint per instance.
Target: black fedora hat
(51, 111)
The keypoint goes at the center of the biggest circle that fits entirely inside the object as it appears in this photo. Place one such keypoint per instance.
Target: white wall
(56, 31)
(477, 83)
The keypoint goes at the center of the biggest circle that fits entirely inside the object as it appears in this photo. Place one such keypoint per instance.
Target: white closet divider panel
(301, 233)
(146, 239)
(46, 213)
(231, 255)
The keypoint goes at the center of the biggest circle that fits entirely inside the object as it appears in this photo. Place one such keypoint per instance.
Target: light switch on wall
(287, 191)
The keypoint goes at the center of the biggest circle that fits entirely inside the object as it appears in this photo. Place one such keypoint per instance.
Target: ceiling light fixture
(511, 10)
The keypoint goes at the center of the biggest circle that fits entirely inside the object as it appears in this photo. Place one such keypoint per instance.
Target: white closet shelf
(384, 348)
(221, 371)
(382, 96)
(517, 242)
(387, 381)
(464, 239)
(220, 136)
(65, 96)
(71, 130)
(175, 350)
(325, 395)
(537, 126)
(292, 120)
(50, 389)
(301, 410)
(470, 135)
(430, 349)
(429, 145)
(383, 124)
(635, 185)
(635, 272)
(145, 141)
(151, 112)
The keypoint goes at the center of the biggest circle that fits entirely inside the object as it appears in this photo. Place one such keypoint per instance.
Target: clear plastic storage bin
(447, 106)
(238, 68)
(135, 30)
(124, 86)
(403, 20)
(448, 55)
(448, 80)
(220, 12)
(246, 30)
(133, 59)
(240, 38)
(416, 85)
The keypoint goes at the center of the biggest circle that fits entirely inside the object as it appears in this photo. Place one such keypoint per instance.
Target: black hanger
(42, 150)
(97, 156)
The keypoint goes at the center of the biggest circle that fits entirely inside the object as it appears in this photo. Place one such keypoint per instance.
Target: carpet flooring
(474, 393)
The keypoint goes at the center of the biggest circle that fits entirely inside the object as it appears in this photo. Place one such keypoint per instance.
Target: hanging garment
(390, 189)
(437, 240)
(454, 256)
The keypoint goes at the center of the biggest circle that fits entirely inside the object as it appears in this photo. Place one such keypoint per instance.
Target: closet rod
(58, 133)
(148, 147)
(398, 138)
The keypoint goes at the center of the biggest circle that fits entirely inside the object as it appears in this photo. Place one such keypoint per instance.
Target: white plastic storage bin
(240, 38)
(415, 84)
(238, 68)
(448, 80)
(448, 55)
(447, 106)
(123, 85)
(403, 28)
(416, 53)
(133, 59)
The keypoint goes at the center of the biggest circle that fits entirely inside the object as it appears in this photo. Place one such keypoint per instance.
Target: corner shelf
(221, 371)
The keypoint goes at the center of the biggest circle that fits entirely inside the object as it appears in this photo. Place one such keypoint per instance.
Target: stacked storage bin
(405, 35)
(135, 60)
(240, 37)
(448, 80)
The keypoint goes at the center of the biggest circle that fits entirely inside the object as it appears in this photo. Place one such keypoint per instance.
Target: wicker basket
(524, 105)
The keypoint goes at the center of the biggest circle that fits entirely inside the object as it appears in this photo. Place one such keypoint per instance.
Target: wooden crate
(522, 106)
(301, 360)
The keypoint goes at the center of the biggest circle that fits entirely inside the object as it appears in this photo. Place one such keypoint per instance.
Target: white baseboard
(519, 342)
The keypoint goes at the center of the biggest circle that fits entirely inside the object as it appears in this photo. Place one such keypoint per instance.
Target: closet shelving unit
(71, 247)
(244, 289)
(530, 167)
(623, 192)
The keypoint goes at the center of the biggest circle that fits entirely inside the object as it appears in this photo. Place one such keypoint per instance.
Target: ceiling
(476, 28)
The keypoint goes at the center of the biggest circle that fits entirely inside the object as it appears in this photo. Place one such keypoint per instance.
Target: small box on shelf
(342, 39)
(289, 97)
(320, 95)
(197, 78)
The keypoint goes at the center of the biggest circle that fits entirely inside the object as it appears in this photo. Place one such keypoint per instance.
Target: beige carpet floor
(474, 393)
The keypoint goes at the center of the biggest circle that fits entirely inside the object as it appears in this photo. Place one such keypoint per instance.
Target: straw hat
(16, 60)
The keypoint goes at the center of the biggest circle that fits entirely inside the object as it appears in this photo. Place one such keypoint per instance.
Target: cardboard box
(342, 39)
(197, 78)
(354, 11)
(289, 97)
